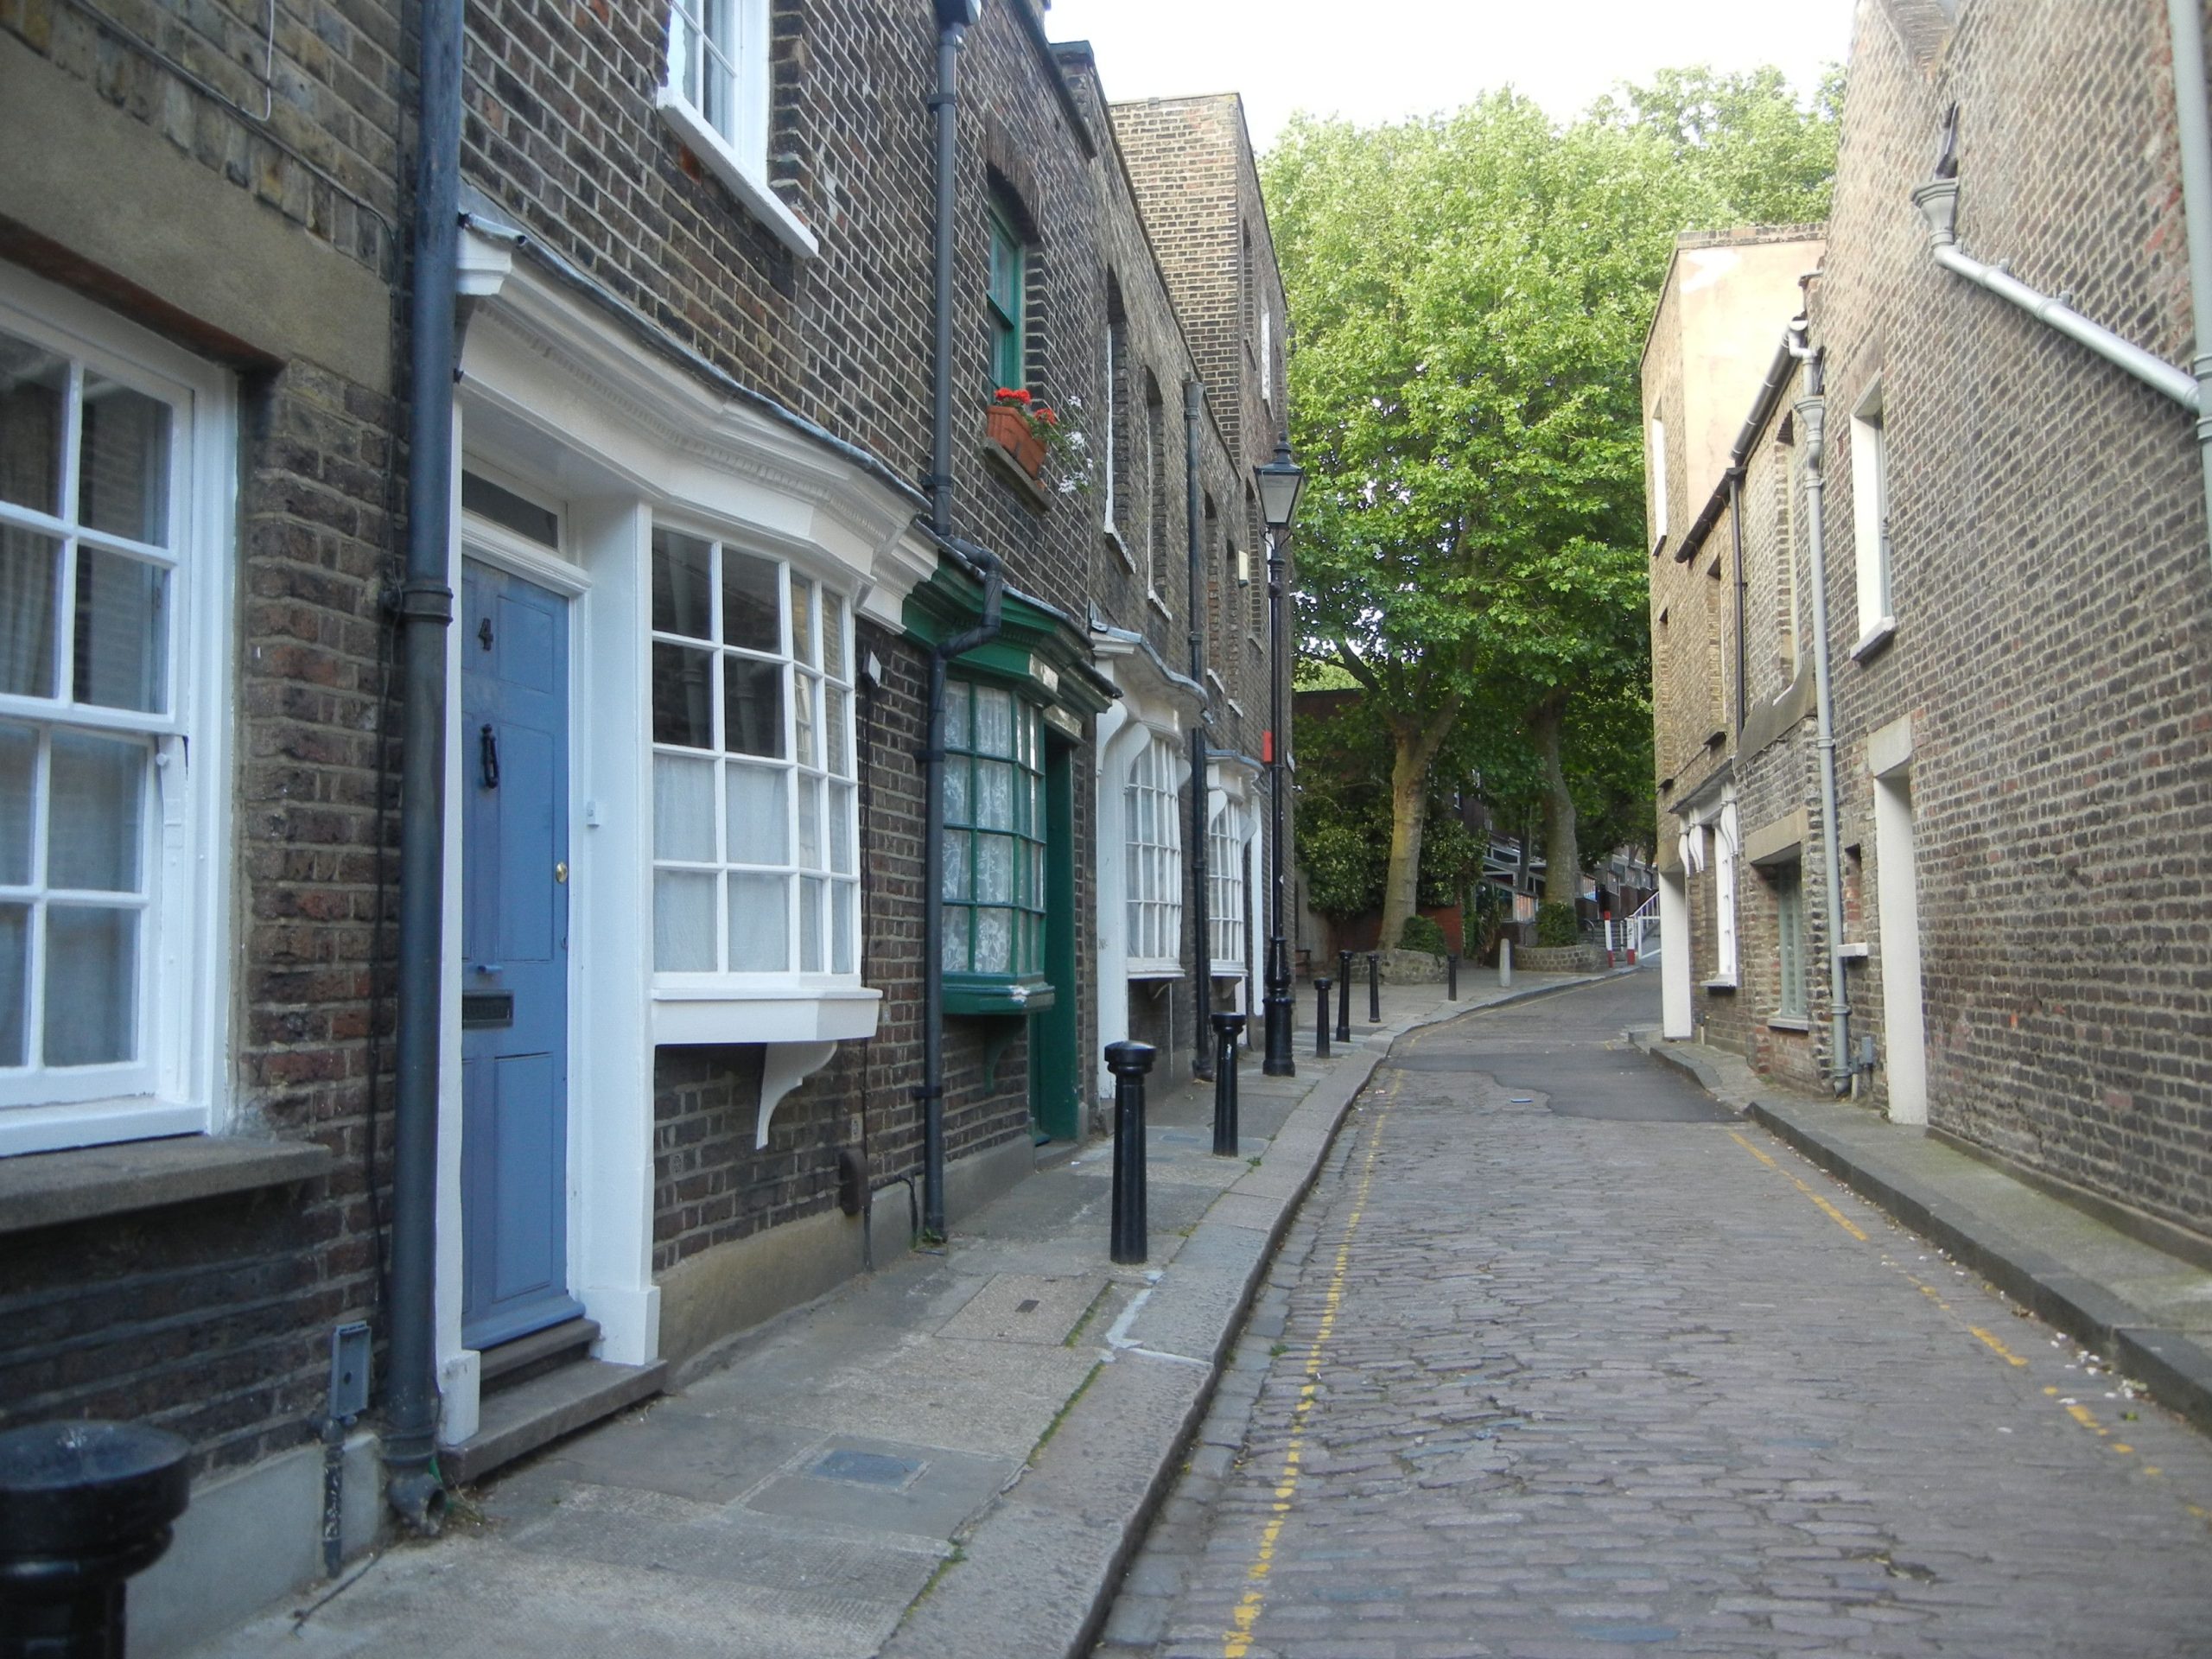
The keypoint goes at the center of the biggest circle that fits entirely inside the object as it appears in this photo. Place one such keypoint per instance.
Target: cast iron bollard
(1321, 1018)
(1128, 1062)
(1374, 988)
(1227, 1028)
(1451, 976)
(1344, 996)
(83, 1506)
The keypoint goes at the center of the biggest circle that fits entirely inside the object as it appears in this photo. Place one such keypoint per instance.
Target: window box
(1005, 427)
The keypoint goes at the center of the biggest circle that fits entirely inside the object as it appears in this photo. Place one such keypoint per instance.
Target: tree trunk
(1413, 749)
(1562, 858)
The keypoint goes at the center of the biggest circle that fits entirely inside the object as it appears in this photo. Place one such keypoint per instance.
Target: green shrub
(1556, 926)
(1424, 933)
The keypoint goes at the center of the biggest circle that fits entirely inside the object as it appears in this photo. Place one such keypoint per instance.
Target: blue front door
(514, 989)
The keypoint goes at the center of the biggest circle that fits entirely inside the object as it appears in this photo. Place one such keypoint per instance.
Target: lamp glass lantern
(1281, 482)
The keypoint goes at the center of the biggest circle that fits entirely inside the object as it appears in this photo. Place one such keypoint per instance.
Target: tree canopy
(1470, 295)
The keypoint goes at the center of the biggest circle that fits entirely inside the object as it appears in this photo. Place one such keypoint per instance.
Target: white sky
(1378, 60)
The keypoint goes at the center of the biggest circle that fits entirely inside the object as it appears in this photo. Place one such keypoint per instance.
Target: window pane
(683, 809)
(803, 621)
(844, 934)
(803, 691)
(994, 941)
(752, 612)
(840, 829)
(955, 953)
(952, 880)
(759, 823)
(683, 922)
(18, 778)
(684, 54)
(123, 467)
(994, 722)
(759, 923)
(123, 635)
(956, 700)
(812, 895)
(34, 389)
(957, 769)
(92, 985)
(14, 943)
(682, 593)
(752, 722)
(994, 869)
(809, 824)
(836, 726)
(93, 833)
(994, 794)
(29, 567)
(683, 688)
(833, 636)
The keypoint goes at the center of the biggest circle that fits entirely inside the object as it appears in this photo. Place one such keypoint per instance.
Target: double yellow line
(1237, 1642)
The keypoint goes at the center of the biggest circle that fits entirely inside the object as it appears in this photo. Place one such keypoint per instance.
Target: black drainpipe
(426, 612)
(953, 18)
(1736, 548)
(1194, 398)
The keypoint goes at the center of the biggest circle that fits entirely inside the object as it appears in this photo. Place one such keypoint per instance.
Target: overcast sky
(1378, 60)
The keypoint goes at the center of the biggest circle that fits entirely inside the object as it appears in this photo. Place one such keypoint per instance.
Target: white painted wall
(1675, 955)
(1898, 903)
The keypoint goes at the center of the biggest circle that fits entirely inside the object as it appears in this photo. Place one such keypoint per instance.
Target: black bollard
(1344, 996)
(1228, 1028)
(1451, 976)
(83, 1507)
(1321, 1018)
(1374, 988)
(1128, 1062)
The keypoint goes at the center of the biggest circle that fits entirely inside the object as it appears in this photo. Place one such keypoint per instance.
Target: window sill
(999, 994)
(1727, 985)
(1854, 951)
(1152, 967)
(716, 156)
(1035, 495)
(1874, 638)
(1788, 1022)
(1227, 970)
(1151, 597)
(1114, 540)
(51, 1189)
(788, 1012)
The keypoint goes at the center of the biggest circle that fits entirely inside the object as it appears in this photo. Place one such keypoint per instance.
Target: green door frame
(1054, 1106)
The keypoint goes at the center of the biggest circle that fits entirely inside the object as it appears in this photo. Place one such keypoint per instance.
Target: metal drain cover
(865, 1468)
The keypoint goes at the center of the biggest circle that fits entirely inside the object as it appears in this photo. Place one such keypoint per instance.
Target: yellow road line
(2011, 1358)
(1238, 1643)
(1753, 1150)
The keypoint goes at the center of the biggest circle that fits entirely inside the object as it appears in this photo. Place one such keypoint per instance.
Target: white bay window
(754, 818)
(1225, 889)
(1154, 826)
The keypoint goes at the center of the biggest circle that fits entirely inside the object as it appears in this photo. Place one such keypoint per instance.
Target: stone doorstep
(519, 1420)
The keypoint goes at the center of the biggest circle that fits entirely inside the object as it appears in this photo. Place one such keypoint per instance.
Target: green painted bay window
(993, 878)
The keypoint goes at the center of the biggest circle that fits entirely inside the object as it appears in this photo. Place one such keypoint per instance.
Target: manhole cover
(866, 1468)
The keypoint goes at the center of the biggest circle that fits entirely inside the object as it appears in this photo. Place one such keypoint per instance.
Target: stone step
(505, 1364)
(515, 1421)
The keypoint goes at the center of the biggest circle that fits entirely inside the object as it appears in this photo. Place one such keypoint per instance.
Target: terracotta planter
(1006, 427)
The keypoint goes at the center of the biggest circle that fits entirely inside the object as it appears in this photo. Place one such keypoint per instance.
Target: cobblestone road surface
(1561, 1360)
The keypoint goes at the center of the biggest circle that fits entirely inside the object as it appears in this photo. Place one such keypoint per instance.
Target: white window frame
(1153, 833)
(1870, 518)
(1788, 883)
(1658, 482)
(182, 996)
(1266, 354)
(1225, 835)
(725, 124)
(1113, 415)
(833, 770)
(1726, 846)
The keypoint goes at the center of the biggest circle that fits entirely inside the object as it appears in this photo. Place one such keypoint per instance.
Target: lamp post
(1280, 484)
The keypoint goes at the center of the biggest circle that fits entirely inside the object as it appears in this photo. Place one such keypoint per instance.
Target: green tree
(1470, 293)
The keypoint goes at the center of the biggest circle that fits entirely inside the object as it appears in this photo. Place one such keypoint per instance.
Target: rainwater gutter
(1194, 399)
(2193, 125)
(953, 18)
(412, 1483)
(1812, 417)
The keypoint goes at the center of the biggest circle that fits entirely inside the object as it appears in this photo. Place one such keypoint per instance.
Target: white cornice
(559, 366)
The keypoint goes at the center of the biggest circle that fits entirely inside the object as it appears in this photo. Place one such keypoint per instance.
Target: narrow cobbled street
(1562, 1358)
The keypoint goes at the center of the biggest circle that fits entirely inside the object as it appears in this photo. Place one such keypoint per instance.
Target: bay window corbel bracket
(784, 1066)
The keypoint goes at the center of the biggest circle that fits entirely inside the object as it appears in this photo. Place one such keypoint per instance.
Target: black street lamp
(1280, 484)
